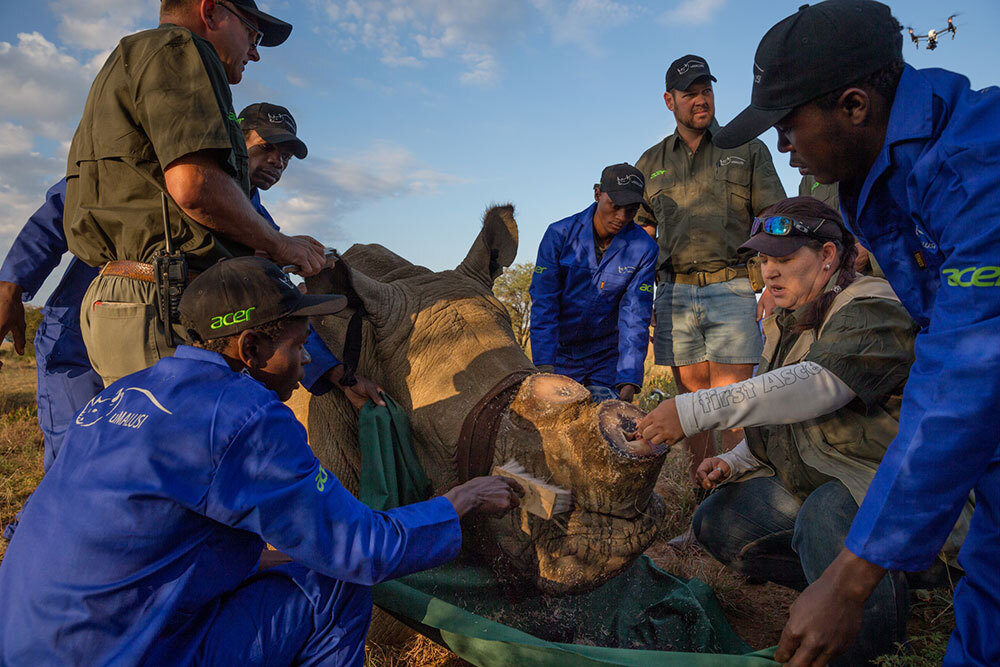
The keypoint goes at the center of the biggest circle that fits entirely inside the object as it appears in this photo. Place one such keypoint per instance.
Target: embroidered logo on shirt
(626, 269)
(321, 478)
(974, 276)
(540, 269)
(98, 408)
(659, 172)
(645, 287)
(233, 117)
(732, 159)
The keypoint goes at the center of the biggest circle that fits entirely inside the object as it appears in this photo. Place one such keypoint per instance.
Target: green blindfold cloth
(644, 616)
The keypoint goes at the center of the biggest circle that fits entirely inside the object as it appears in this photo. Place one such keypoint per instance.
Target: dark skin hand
(358, 394)
(627, 393)
(12, 315)
(492, 495)
(826, 617)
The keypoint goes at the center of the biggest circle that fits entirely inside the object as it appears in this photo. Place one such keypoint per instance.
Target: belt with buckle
(703, 278)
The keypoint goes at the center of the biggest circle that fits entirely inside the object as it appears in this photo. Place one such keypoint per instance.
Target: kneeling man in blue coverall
(141, 544)
(592, 292)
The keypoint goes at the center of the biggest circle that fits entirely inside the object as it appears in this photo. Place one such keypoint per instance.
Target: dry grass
(20, 437)
(418, 651)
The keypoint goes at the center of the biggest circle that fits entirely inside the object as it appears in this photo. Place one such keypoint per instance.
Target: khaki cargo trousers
(121, 328)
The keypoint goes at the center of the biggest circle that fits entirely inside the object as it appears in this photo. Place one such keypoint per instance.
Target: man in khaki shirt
(159, 120)
(703, 200)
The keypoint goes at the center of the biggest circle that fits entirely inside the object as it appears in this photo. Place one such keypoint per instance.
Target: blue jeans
(600, 393)
(761, 530)
(716, 323)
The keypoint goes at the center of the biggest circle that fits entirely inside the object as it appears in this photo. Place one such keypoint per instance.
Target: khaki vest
(846, 449)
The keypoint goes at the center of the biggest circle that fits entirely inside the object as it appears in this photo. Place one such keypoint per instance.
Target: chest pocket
(610, 287)
(732, 175)
(658, 193)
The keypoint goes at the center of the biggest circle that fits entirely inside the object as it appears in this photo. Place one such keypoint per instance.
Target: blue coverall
(152, 520)
(66, 380)
(590, 320)
(930, 211)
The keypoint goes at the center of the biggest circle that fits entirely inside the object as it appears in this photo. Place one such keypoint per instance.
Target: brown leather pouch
(756, 277)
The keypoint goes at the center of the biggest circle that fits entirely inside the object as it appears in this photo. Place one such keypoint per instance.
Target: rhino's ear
(494, 249)
(361, 291)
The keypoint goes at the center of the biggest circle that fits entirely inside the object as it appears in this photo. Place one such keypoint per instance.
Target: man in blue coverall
(66, 380)
(153, 517)
(917, 155)
(592, 291)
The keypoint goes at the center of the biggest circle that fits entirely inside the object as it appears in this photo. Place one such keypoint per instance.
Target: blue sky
(419, 113)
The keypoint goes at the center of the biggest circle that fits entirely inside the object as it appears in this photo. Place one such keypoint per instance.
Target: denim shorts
(715, 323)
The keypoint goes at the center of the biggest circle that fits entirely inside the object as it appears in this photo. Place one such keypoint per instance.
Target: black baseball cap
(686, 70)
(245, 292)
(275, 30)
(780, 246)
(816, 50)
(274, 124)
(623, 183)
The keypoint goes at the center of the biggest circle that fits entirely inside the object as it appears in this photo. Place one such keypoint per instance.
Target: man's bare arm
(210, 196)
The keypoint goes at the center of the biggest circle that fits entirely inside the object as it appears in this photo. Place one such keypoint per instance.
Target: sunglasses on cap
(782, 225)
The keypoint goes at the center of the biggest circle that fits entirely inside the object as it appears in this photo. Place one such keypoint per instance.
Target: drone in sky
(933, 35)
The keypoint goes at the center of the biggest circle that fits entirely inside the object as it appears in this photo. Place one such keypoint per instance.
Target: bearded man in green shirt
(703, 201)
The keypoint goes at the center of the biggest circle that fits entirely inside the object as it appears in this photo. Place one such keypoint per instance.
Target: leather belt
(478, 436)
(702, 278)
(126, 268)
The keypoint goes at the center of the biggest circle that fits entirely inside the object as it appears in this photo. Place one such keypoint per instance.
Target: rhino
(442, 346)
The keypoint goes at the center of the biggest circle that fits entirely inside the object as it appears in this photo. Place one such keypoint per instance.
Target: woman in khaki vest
(818, 417)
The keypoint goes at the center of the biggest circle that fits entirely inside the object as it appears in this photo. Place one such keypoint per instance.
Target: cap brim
(319, 304)
(687, 82)
(775, 246)
(625, 197)
(278, 136)
(275, 30)
(750, 124)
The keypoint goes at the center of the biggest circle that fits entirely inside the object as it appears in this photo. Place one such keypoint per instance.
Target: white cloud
(97, 25)
(43, 85)
(581, 21)
(408, 33)
(314, 194)
(694, 12)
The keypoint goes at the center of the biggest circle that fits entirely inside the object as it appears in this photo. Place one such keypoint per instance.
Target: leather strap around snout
(481, 425)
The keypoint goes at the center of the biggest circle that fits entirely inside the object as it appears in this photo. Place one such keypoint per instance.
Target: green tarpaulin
(644, 616)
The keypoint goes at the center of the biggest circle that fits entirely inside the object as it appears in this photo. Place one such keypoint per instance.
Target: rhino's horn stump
(545, 398)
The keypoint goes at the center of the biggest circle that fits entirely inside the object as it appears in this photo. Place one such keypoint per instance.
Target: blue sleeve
(39, 246)
(259, 207)
(315, 380)
(948, 431)
(323, 359)
(268, 482)
(546, 293)
(634, 313)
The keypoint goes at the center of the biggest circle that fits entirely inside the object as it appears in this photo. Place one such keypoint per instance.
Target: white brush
(540, 498)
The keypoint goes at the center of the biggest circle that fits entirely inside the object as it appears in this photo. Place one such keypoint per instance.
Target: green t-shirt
(161, 95)
(868, 344)
(704, 202)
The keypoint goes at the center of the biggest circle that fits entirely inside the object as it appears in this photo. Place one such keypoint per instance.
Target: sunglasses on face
(782, 225)
(255, 35)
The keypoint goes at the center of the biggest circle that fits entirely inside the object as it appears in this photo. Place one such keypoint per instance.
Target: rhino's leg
(558, 434)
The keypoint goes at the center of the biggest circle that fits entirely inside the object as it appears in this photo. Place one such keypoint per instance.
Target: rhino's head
(439, 343)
